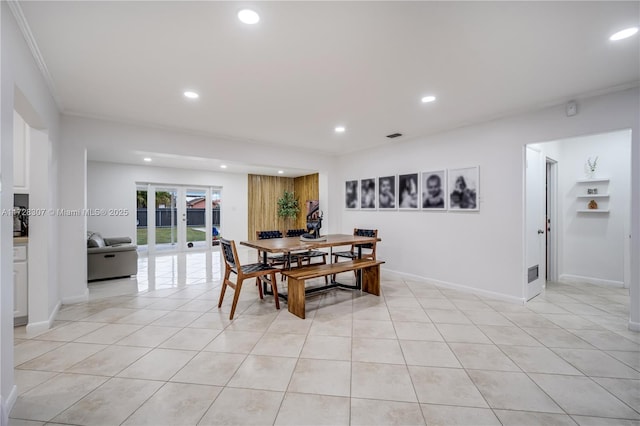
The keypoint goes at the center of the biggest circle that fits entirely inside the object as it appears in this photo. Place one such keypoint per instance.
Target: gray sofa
(110, 257)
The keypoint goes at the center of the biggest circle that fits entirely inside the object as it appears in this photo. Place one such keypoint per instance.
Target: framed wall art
(368, 194)
(434, 190)
(464, 189)
(387, 193)
(351, 195)
(408, 191)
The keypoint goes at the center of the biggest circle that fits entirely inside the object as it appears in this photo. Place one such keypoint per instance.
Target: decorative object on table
(464, 188)
(408, 191)
(368, 194)
(591, 167)
(288, 206)
(434, 190)
(387, 193)
(351, 195)
(593, 205)
(314, 222)
(592, 191)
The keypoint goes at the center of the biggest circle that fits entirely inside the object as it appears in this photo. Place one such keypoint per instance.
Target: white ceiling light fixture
(223, 166)
(147, 159)
(191, 95)
(248, 16)
(626, 33)
(427, 99)
(280, 172)
(340, 129)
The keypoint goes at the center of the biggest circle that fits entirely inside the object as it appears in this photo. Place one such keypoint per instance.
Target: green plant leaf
(288, 205)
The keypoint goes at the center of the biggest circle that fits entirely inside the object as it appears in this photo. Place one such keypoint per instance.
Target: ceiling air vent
(394, 135)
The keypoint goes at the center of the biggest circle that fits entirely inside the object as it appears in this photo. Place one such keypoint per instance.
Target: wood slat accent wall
(306, 188)
(264, 192)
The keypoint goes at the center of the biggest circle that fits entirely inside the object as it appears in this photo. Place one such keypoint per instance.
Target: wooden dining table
(289, 245)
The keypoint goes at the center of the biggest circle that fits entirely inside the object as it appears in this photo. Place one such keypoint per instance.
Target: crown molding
(16, 10)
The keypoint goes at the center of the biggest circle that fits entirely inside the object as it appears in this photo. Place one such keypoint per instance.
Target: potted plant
(288, 207)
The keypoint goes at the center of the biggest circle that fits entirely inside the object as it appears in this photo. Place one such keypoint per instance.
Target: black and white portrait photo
(464, 187)
(408, 191)
(387, 192)
(368, 194)
(351, 194)
(434, 192)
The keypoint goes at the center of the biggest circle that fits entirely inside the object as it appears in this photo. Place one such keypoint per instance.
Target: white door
(535, 223)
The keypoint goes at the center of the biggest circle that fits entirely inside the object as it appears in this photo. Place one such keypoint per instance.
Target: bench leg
(295, 300)
(371, 280)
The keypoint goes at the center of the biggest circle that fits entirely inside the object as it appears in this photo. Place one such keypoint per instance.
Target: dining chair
(370, 248)
(277, 260)
(259, 271)
(300, 257)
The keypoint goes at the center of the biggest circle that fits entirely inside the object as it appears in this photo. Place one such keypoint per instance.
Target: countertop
(20, 240)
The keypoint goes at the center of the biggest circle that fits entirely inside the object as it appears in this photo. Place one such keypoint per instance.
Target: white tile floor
(156, 350)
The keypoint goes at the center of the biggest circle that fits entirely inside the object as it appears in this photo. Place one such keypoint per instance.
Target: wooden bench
(370, 273)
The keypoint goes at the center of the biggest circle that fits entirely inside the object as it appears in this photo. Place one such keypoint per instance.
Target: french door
(177, 218)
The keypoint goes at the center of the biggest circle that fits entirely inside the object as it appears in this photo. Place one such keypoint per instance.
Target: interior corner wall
(479, 251)
(20, 80)
(113, 186)
(306, 188)
(263, 193)
(591, 246)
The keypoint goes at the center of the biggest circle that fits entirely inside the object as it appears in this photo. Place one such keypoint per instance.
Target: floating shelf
(593, 196)
(593, 180)
(594, 211)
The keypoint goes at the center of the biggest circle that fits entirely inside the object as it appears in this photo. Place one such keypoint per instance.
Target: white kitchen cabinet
(20, 155)
(20, 284)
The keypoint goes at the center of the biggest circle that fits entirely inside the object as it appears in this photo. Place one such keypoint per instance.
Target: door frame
(181, 222)
(552, 219)
(525, 236)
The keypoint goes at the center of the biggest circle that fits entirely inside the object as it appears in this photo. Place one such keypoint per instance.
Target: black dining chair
(301, 257)
(368, 250)
(259, 271)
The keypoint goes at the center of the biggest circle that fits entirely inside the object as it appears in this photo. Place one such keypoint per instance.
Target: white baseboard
(7, 405)
(576, 279)
(461, 287)
(634, 326)
(76, 299)
(39, 327)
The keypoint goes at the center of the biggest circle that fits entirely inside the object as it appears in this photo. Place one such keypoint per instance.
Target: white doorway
(535, 223)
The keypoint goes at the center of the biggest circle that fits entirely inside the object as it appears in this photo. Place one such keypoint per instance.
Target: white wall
(591, 246)
(22, 87)
(482, 251)
(113, 186)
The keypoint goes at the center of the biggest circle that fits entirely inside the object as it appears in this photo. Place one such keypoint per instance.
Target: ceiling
(307, 67)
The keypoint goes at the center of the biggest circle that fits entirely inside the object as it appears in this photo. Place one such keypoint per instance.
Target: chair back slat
(296, 232)
(265, 235)
(228, 252)
(373, 233)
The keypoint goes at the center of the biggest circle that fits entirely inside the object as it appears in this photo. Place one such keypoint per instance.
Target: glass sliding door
(166, 214)
(195, 217)
(177, 218)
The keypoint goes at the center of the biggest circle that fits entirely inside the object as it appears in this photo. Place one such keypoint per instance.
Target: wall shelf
(594, 211)
(593, 196)
(593, 180)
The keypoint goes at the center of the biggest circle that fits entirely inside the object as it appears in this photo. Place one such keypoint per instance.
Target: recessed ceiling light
(248, 16)
(340, 129)
(626, 33)
(280, 172)
(147, 159)
(223, 166)
(191, 95)
(428, 99)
